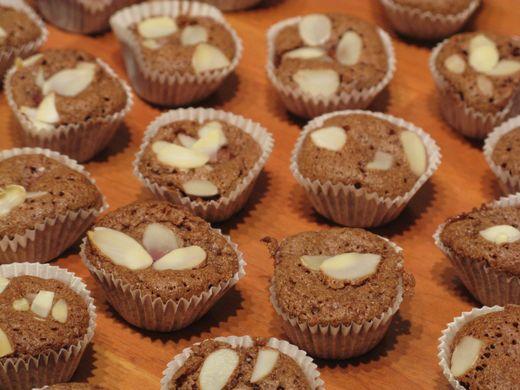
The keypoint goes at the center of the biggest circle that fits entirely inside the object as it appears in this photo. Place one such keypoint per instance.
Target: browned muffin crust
(220, 265)
(30, 335)
(369, 71)
(104, 96)
(365, 136)
(66, 190)
(506, 153)
(462, 235)
(465, 85)
(499, 360)
(444, 7)
(286, 375)
(18, 27)
(73, 386)
(312, 297)
(234, 161)
(173, 57)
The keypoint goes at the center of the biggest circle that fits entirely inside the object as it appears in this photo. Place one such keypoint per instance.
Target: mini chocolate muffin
(16, 28)
(506, 153)
(445, 7)
(334, 279)
(73, 386)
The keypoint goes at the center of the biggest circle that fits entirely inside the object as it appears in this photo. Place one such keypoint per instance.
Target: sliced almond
(315, 29)
(192, 35)
(120, 248)
(480, 40)
(70, 82)
(331, 138)
(382, 161)
(217, 369)
(35, 194)
(21, 304)
(455, 64)
(30, 113)
(3, 33)
(201, 188)
(265, 363)
(151, 44)
(40, 78)
(3, 284)
(208, 57)
(317, 82)
(178, 156)
(501, 234)
(157, 27)
(213, 127)
(185, 140)
(313, 262)
(414, 151)
(349, 48)
(11, 196)
(181, 259)
(46, 111)
(42, 303)
(32, 59)
(484, 58)
(60, 311)
(5, 344)
(505, 68)
(159, 240)
(485, 85)
(352, 266)
(465, 355)
(306, 53)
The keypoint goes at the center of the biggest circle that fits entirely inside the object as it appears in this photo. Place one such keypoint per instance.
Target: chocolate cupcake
(161, 267)
(203, 159)
(232, 5)
(321, 63)
(361, 168)
(67, 100)
(176, 52)
(484, 247)
(337, 290)
(47, 320)
(73, 386)
(47, 201)
(429, 20)
(480, 349)
(478, 78)
(242, 362)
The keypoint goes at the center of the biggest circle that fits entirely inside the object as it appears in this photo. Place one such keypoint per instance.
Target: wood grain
(123, 357)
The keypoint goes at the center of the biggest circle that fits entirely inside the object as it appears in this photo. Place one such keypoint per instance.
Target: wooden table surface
(124, 357)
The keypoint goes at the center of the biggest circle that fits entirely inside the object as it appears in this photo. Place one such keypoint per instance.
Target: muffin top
(487, 234)
(336, 276)
(444, 7)
(204, 161)
(483, 69)
(73, 386)
(65, 86)
(35, 187)
(161, 249)
(184, 45)
(486, 351)
(38, 316)
(16, 28)
(325, 55)
(255, 367)
(364, 151)
(506, 153)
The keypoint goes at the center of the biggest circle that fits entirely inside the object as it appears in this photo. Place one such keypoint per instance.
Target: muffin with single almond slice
(172, 264)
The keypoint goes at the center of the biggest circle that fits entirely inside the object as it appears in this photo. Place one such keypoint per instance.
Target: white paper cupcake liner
(307, 106)
(461, 117)
(53, 366)
(350, 206)
(232, 5)
(427, 25)
(509, 183)
(142, 310)
(300, 357)
(487, 285)
(169, 89)
(50, 238)
(80, 141)
(224, 207)
(448, 335)
(8, 55)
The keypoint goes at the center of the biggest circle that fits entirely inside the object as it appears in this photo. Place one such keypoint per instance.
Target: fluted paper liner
(510, 184)
(226, 206)
(465, 119)
(487, 285)
(307, 106)
(350, 206)
(420, 24)
(305, 362)
(169, 89)
(9, 54)
(81, 140)
(142, 310)
(232, 5)
(53, 366)
(343, 341)
(448, 335)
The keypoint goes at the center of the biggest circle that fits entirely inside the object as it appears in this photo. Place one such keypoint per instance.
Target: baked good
(68, 101)
(429, 19)
(204, 159)
(233, 5)
(176, 53)
(326, 62)
(360, 168)
(242, 363)
(484, 247)
(47, 201)
(73, 386)
(478, 78)
(47, 320)
(172, 263)
(327, 285)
